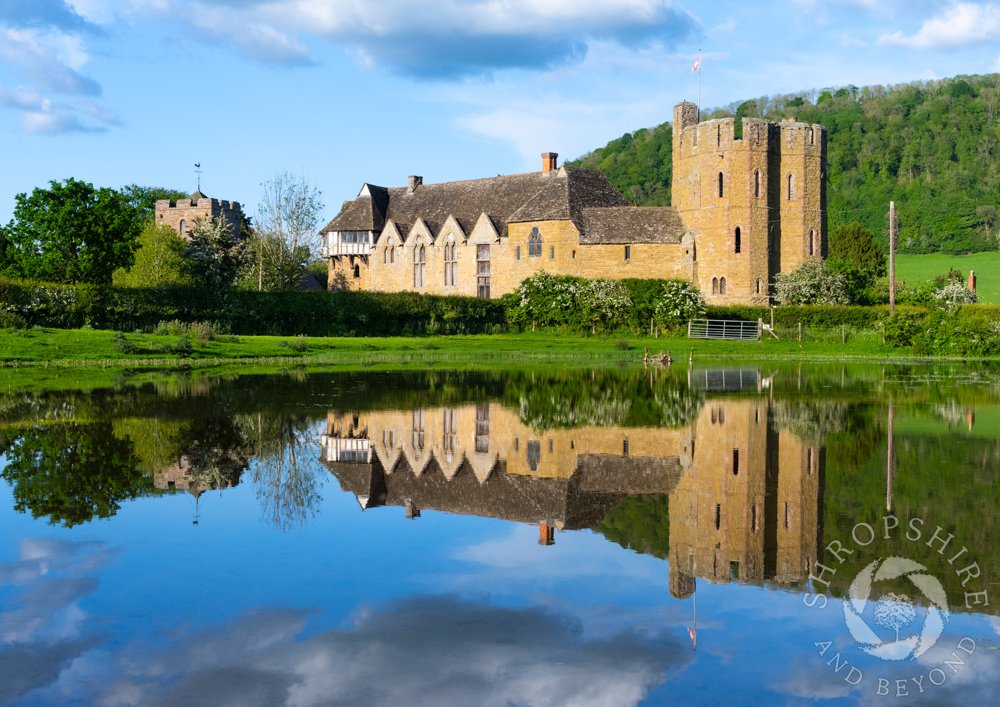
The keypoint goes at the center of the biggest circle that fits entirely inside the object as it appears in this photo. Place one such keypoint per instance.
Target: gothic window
(756, 184)
(737, 241)
(715, 285)
(722, 286)
(392, 254)
(385, 255)
(483, 270)
(183, 227)
(357, 271)
(419, 266)
(535, 243)
(791, 186)
(720, 185)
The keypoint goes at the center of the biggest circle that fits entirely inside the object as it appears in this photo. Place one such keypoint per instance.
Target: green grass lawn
(57, 347)
(916, 269)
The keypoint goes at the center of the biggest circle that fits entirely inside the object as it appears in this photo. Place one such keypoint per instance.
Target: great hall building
(748, 202)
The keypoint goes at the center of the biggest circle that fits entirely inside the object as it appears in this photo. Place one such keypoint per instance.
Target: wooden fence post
(800, 332)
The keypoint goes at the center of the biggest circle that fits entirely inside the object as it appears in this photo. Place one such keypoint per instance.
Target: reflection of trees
(72, 472)
(286, 470)
(810, 420)
(216, 450)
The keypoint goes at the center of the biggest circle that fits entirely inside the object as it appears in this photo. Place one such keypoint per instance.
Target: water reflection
(744, 495)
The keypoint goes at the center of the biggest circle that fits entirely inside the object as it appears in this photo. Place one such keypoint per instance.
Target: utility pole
(892, 256)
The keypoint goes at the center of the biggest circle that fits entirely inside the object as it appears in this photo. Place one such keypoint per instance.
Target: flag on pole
(697, 65)
(693, 635)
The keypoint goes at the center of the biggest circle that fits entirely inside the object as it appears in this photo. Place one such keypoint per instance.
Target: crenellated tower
(181, 214)
(753, 193)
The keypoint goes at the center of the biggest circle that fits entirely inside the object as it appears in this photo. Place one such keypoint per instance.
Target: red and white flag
(697, 65)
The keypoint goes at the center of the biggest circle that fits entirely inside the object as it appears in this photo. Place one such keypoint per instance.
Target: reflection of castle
(743, 497)
(183, 477)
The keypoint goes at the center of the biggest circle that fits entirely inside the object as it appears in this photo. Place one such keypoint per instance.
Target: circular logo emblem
(895, 613)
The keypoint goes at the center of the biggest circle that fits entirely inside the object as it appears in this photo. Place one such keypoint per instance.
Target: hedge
(247, 312)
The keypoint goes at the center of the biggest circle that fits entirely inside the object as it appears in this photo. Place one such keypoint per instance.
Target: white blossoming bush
(679, 302)
(953, 295)
(811, 283)
(545, 300)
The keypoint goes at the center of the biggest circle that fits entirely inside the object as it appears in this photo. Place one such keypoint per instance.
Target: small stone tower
(754, 195)
(180, 215)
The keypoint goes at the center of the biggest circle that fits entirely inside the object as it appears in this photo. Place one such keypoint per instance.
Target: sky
(343, 92)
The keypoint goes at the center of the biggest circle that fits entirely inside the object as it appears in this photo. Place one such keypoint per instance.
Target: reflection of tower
(546, 534)
(748, 508)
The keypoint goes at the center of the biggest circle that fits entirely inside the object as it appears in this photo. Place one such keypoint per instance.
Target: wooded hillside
(930, 146)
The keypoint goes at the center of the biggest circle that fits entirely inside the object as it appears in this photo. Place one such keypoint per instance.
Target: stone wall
(180, 215)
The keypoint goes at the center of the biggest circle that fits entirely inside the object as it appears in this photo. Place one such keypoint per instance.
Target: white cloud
(961, 24)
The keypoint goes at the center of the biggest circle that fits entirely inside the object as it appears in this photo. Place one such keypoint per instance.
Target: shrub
(299, 344)
(120, 344)
(811, 283)
(953, 295)
(569, 302)
(12, 320)
(679, 302)
(183, 346)
(901, 329)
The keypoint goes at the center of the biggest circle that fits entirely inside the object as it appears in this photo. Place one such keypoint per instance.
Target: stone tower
(754, 195)
(180, 215)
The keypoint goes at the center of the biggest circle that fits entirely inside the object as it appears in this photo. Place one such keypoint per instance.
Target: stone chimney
(546, 534)
(549, 162)
(415, 182)
(972, 281)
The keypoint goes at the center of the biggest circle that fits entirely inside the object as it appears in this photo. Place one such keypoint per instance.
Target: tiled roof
(506, 199)
(631, 224)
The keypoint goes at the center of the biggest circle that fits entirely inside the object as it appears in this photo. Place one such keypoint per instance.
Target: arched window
(791, 186)
(715, 285)
(392, 254)
(737, 240)
(357, 271)
(182, 229)
(385, 255)
(720, 185)
(722, 286)
(756, 184)
(812, 241)
(535, 243)
(419, 266)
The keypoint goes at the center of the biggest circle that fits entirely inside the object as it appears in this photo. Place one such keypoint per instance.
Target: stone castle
(180, 215)
(748, 202)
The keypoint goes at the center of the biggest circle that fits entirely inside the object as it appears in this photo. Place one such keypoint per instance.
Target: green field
(915, 269)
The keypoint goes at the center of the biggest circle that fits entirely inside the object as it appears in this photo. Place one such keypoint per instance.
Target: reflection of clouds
(429, 650)
(40, 627)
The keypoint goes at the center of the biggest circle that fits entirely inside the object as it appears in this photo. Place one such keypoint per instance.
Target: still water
(757, 535)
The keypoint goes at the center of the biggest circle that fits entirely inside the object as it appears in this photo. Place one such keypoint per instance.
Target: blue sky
(345, 91)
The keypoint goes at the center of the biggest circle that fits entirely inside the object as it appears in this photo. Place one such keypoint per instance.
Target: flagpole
(699, 85)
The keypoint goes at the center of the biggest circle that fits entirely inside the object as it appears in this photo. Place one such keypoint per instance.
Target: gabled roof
(631, 224)
(505, 199)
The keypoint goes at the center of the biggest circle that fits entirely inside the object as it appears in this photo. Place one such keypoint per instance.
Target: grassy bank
(58, 347)
(917, 269)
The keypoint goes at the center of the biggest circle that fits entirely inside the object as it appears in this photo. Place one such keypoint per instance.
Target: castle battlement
(180, 214)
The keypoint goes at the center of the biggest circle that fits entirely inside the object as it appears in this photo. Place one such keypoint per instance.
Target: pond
(749, 535)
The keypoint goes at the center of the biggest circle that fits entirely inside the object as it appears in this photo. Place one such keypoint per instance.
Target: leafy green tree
(73, 472)
(811, 283)
(214, 255)
(159, 260)
(679, 302)
(855, 244)
(70, 232)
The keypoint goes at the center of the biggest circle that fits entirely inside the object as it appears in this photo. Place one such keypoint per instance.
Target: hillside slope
(930, 146)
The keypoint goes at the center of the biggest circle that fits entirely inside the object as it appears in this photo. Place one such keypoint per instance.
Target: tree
(71, 473)
(811, 283)
(855, 244)
(286, 236)
(214, 255)
(159, 260)
(70, 232)
(680, 302)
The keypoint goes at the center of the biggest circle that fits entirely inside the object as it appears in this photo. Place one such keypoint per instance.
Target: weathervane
(197, 170)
